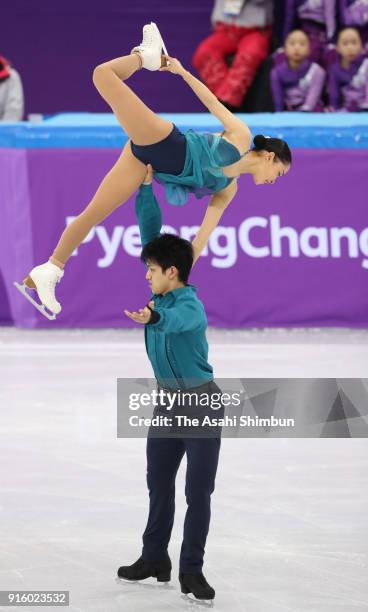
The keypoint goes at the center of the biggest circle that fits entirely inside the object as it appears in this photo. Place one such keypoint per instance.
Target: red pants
(250, 46)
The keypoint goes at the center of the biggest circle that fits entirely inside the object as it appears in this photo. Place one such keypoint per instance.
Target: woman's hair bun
(273, 145)
(259, 141)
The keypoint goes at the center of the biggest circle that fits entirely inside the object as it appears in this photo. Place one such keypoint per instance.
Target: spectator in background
(11, 93)
(355, 13)
(317, 18)
(296, 81)
(348, 75)
(241, 28)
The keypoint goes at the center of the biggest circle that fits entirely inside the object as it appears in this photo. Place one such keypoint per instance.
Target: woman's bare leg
(118, 185)
(142, 126)
(139, 122)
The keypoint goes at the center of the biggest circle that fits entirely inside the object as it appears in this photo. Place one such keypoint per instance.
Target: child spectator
(317, 18)
(355, 13)
(348, 75)
(11, 93)
(296, 81)
(243, 29)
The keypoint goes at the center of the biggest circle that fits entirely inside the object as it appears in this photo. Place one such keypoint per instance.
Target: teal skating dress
(206, 155)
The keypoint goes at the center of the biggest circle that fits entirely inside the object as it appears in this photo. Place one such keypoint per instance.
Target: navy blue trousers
(163, 459)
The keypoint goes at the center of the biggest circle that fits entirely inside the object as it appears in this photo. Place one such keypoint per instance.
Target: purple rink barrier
(290, 254)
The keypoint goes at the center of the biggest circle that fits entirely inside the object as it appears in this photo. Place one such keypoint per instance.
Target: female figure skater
(184, 163)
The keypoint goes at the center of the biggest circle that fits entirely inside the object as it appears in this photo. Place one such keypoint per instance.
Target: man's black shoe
(196, 584)
(141, 569)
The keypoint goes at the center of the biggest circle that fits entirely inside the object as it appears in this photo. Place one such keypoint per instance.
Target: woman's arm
(232, 124)
(215, 209)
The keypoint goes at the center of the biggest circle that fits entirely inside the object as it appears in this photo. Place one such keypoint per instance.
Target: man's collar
(177, 291)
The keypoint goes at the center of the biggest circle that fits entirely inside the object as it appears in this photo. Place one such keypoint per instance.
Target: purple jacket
(297, 89)
(354, 12)
(348, 87)
(320, 11)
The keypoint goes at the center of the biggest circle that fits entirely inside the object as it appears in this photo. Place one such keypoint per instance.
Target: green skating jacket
(176, 345)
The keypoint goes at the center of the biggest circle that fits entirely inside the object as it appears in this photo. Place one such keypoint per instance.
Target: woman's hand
(173, 65)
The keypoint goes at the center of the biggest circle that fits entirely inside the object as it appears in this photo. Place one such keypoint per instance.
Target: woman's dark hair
(169, 250)
(273, 145)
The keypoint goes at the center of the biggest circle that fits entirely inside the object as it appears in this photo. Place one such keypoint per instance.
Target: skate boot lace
(147, 37)
(51, 283)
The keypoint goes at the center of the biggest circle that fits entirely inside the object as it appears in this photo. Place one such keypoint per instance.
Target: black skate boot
(196, 584)
(141, 569)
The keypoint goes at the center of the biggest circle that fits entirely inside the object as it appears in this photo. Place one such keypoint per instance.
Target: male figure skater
(175, 334)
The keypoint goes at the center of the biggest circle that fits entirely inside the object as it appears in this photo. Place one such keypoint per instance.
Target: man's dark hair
(169, 250)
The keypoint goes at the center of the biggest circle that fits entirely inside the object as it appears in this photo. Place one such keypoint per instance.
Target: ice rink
(289, 529)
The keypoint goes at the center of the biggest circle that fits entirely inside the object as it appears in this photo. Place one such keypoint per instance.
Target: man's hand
(143, 315)
(149, 174)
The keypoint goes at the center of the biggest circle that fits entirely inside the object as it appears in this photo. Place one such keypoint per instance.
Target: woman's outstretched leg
(118, 185)
(139, 122)
(143, 127)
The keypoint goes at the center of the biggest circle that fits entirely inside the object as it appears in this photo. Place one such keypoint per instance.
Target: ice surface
(289, 517)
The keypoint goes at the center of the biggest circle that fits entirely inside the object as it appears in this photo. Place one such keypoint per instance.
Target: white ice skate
(43, 279)
(151, 47)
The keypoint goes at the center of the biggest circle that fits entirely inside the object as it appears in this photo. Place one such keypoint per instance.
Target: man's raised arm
(147, 210)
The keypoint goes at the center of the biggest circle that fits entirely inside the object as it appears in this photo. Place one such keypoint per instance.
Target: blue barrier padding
(99, 130)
